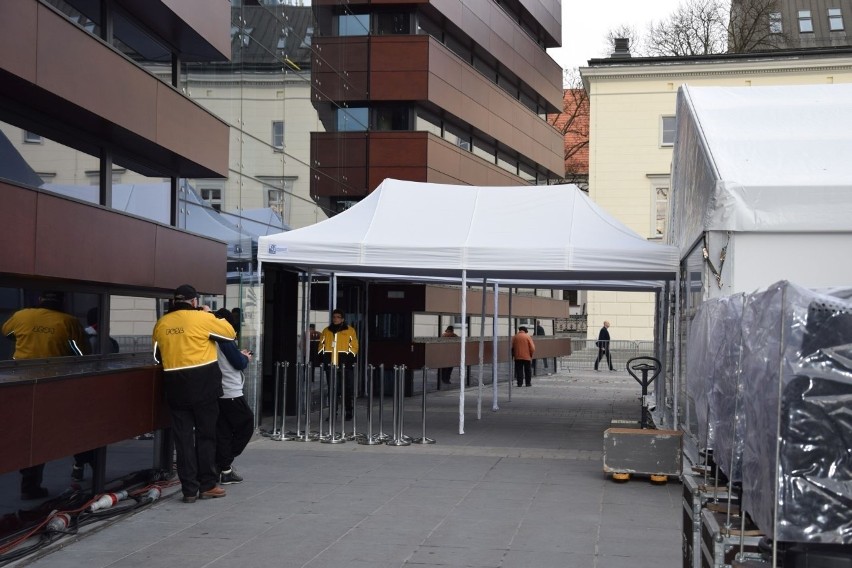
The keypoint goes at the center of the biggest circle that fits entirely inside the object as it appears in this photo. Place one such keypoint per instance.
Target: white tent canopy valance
(541, 233)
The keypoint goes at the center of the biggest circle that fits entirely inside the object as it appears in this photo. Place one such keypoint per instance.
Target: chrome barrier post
(397, 440)
(323, 393)
(300, 399)
(369, 439)
(276, 432)
(334, 437)
(354, 435)
(423, 439)
(381, 435)
(285, 435)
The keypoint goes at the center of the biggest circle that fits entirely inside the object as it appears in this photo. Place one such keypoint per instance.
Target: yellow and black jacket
(185, 342)
(44, 332)
(338, 344)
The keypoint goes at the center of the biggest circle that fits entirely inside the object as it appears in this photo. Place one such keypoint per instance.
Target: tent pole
(481, 349)
(306, 317)
(463, 362)
(511, 362)
(258, 346)
(494, 337)
(366, 343)
(676, 366)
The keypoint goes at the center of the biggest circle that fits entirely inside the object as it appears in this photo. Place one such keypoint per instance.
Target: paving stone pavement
(523, 487)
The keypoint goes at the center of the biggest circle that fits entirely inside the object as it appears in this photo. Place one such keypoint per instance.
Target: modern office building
(793, 24)
(79, 109)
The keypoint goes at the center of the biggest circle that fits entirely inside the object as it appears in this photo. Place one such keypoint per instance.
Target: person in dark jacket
(185, 342)
(446, 372)
(603, 346)
(235, 425)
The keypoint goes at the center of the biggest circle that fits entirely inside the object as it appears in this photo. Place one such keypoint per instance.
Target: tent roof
(538, 233)
(762, 159)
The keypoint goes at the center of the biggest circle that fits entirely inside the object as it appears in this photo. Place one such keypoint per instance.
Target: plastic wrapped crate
(726, 394)
(797, 379)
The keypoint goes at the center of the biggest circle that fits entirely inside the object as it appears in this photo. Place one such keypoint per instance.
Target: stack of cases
(718, 547)
(697, 495)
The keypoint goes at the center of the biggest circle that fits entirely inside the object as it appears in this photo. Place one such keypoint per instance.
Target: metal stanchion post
(300, 399)
(323, 393)
(423, 439)
(354, 435)
(369, 439)
(381, 435)
(285, 434)
(333, 436)
(276, 432)
(397, 440)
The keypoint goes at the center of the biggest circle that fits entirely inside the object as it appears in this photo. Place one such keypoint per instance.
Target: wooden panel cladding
(450, 164)
(18, 27)
(436, 354)
(199, 29)
(104, 409)
(462, 91)
(340, 69)
(338, 164)
(18, 219)
(57, 237)
(446, 300)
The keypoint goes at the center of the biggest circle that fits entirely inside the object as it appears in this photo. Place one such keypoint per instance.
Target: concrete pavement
(523, 487)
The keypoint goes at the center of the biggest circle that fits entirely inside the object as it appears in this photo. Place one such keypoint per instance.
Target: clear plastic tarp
(797, 401)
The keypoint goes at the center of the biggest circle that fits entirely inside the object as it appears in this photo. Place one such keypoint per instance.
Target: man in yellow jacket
(185, 342)
(44, 331)
(338, 345)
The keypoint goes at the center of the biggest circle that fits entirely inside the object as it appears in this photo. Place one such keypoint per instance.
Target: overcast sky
(585, 24)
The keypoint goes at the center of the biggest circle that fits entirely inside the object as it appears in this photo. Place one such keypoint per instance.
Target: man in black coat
(603, 346)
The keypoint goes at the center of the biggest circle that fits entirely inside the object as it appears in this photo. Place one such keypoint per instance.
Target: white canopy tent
(422, 231)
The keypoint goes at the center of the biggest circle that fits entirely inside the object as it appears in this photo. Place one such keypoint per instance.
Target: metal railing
(584, 352)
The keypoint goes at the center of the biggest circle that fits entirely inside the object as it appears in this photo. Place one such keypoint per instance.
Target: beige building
(631, 135)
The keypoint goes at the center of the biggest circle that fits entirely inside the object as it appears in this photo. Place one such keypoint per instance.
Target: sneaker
(77, 472)
(229, 477)
(37, 493)
(213, 493)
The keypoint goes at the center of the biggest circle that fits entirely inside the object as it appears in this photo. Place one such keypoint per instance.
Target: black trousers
(601, 352)
(523, 372)
(194, 430)
(31, 478)
(348, 371)
(445, 373)
(234, 429)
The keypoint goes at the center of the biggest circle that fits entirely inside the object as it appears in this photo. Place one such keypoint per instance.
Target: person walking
(185, 343)
(523, 349)
(539, 331)
(235, 425)
(338, 345)
(446, 372)
(603, 346)
(39, 332)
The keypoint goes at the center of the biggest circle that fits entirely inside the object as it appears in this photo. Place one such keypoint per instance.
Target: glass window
(507, 162)
(278, 134)
(835, 20)
(212, 196)
(390, 23)
(806, 24)
(276, 199)
(484, 150)
(427, 122)
(457, 136)
(526, 172)
(775, 25)
(32, 138)
(661, 208)
(392, 118)
(458, 48)
(354, 119)
(353, 24)
(668, 127)
(427, 26)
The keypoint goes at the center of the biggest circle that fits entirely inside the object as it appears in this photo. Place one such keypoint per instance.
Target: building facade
(631, 136)
(795, 24)
(450, 91)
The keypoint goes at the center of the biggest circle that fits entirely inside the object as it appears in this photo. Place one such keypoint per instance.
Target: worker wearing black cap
(185, 342)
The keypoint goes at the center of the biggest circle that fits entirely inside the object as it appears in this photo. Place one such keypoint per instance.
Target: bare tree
(573, 124)
(753, 26)
(696, 27)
